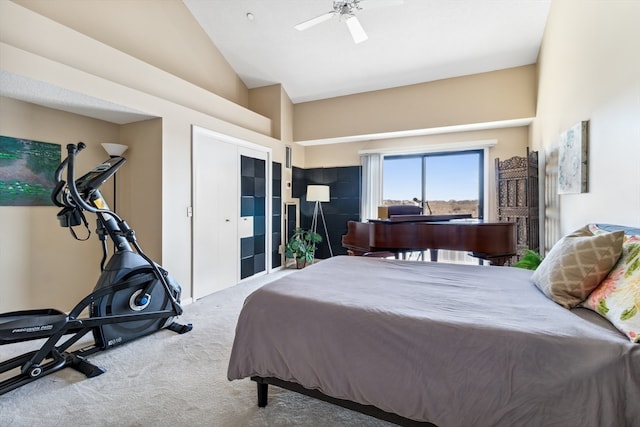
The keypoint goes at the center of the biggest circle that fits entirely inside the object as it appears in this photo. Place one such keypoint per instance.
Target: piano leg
(499, 260)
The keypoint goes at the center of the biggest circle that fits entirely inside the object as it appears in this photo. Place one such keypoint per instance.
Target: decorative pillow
(618, 296)
(576, 265)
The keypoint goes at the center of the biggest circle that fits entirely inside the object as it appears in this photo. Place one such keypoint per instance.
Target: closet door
(215, 215)
(231, 209)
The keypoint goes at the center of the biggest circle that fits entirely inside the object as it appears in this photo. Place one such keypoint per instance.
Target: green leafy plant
(530, 261)
(302, 246)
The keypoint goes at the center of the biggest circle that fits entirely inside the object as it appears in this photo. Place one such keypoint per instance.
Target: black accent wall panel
(253, 203)
(276, 213)
(344, 188)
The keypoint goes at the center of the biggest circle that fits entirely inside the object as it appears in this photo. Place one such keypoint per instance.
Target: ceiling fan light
(357, 32)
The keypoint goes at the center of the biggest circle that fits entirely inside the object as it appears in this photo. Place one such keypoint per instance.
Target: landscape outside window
(452, 182)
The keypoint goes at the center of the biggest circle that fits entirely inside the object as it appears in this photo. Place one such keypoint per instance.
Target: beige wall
(43, 50)
(489, 97)
(42, 265)
(509, 142)
(139, 195)
(274, 103)
(268, 102)
(161, 33)
(589, 69)
(499, 95)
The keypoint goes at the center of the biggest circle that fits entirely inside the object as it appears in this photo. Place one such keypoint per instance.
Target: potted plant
(530, 261)
(302, 246)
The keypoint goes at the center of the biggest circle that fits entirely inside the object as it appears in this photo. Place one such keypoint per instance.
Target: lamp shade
(318, 193)
(114, 150)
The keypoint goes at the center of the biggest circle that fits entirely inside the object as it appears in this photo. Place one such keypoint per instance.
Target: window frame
(424, 156)
(372, 198)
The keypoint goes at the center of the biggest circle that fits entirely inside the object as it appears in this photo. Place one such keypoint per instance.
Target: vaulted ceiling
(412, 42)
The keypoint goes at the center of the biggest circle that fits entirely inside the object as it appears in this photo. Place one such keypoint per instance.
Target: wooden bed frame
(263, 390)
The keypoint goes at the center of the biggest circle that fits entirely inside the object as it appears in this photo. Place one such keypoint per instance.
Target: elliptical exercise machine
(133, 297)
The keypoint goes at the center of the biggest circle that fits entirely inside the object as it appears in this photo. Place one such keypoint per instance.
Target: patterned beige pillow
(576, 265)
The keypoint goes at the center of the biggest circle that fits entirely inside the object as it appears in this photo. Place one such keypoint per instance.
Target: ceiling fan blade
(357, 32)
(314, 21)
(370, 4)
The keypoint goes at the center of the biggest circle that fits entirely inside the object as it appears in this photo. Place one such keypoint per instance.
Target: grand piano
(491, 241)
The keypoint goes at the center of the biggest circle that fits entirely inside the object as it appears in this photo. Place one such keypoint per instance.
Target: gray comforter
(456, 345)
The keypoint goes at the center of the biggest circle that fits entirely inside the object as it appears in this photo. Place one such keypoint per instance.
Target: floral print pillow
(617, 298)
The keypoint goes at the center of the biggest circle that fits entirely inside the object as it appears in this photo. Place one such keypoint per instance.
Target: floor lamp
(114, 150)
(319, 194)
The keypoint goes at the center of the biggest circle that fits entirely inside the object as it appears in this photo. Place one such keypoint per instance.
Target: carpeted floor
(167, 379)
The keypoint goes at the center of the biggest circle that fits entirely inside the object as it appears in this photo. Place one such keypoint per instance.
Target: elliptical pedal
(179, 328)
(82, 365)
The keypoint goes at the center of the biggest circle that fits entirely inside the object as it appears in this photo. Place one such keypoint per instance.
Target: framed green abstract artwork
(27, 171)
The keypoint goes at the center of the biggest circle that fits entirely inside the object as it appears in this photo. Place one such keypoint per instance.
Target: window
(449, 182)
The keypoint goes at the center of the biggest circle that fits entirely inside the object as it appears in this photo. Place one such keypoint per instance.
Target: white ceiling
(417, 41)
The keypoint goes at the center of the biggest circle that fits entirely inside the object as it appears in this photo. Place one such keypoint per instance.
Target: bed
(420, 343)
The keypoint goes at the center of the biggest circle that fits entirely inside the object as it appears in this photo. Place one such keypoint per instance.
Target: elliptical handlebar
(58, 194)
(83, 194)
(73, 150)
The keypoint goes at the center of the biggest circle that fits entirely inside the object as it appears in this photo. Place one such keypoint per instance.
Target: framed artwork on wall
(573, 153)
(27, 170)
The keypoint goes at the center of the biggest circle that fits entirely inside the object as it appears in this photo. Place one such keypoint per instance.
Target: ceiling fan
(347, 9)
